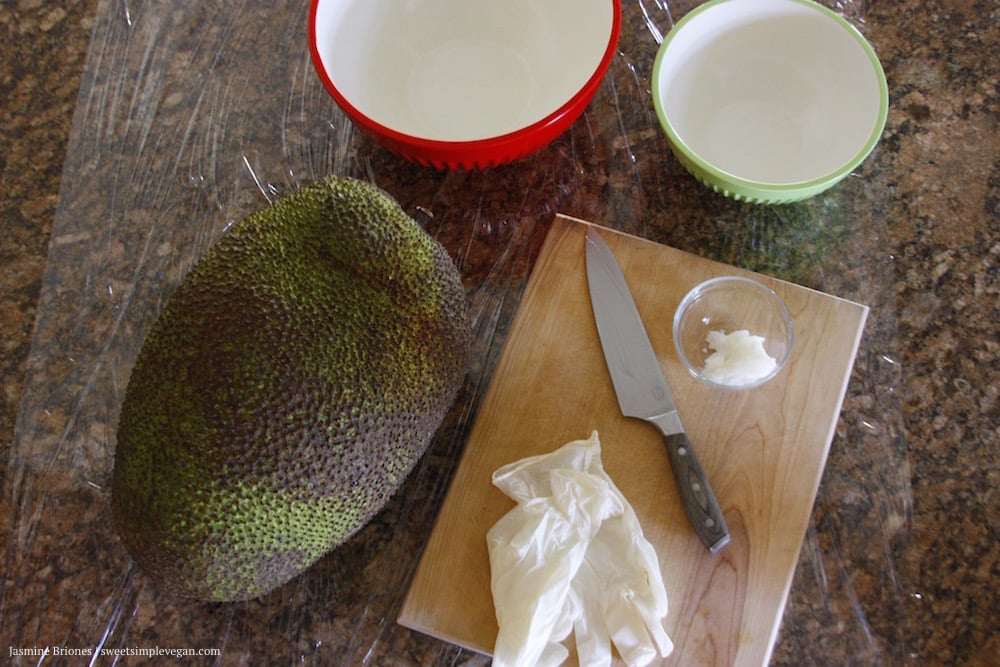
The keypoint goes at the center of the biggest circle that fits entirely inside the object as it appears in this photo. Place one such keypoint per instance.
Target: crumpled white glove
(621, 597)
(572, 557)
(536, 549)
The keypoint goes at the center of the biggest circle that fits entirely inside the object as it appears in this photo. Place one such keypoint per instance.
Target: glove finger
(593, 643)
(639, 641)
(553, 655)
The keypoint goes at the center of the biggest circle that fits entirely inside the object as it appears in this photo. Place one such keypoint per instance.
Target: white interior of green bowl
(770, 91)
(461, 70)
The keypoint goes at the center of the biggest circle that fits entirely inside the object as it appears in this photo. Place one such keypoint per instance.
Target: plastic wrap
(193, 114)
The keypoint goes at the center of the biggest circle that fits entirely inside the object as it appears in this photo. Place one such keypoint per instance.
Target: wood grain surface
(763, 450)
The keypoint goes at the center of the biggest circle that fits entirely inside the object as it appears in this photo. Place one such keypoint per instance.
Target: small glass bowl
(739, 309)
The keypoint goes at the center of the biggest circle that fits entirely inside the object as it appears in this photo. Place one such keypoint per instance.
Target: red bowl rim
(434, 148)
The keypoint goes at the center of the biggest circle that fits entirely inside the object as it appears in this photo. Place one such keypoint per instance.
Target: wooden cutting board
(763, 451)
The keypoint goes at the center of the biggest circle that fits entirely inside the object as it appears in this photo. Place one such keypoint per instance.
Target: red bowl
(463, 84)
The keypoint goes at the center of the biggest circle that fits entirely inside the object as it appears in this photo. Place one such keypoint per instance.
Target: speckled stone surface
(902, 560)
(43, 49)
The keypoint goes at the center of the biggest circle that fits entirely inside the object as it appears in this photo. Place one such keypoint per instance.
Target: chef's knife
(642, 390)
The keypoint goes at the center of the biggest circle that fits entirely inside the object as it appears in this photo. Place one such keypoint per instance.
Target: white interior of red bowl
(460, 70)
(772, 91)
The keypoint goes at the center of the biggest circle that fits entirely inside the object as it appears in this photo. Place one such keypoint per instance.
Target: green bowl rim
(761, 189)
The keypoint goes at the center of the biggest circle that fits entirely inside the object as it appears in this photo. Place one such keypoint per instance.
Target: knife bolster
(669, 423)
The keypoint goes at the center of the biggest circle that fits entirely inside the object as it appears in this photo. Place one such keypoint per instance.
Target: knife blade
(642, 389)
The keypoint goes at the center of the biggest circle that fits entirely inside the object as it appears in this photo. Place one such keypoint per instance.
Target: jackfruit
(286, 391)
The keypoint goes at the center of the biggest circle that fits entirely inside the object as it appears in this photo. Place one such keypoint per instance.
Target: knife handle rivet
(709, 522)
(682, 451)
(696, 487)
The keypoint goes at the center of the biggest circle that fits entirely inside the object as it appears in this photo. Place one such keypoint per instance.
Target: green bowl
(769, 101)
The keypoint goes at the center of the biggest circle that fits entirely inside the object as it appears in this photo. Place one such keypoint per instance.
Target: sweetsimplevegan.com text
(89, 651)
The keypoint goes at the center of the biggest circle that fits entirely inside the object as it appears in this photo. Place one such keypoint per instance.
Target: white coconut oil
(738, 358)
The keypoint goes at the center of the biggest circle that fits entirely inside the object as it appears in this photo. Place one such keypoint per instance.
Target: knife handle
(696, 494)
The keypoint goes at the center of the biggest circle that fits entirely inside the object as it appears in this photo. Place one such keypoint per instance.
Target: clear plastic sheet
(193, 114)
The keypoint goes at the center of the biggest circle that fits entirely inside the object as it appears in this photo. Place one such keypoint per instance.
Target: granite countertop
(901, 560)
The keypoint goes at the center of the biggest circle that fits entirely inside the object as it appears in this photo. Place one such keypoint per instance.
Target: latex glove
(536, 549)
(624, 601)
(618, 591)
(615, 593)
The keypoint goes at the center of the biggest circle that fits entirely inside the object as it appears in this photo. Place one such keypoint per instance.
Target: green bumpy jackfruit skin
(288, 388)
